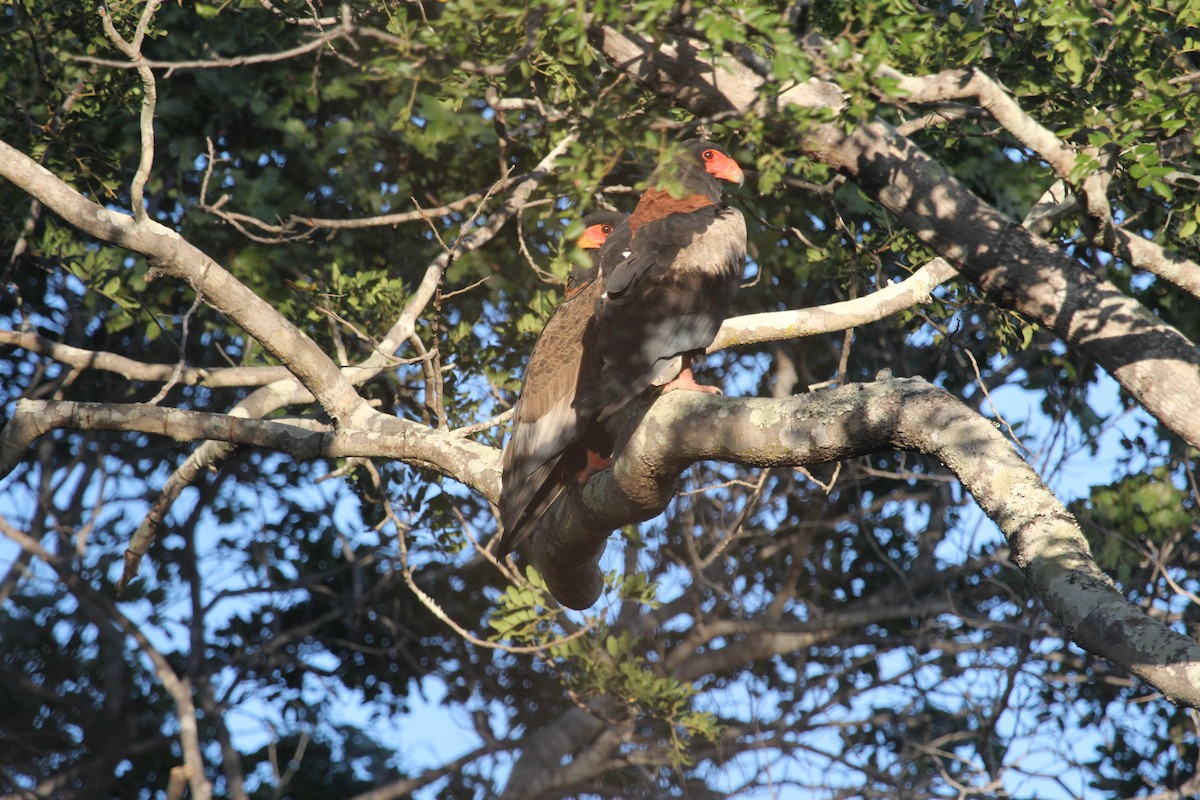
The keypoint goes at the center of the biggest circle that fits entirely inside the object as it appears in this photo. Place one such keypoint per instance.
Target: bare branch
(291, 227)
(171, 255)
(133, 49)
(139, 370)
(465, 460)
(342, 30)
(314, 20)
(778, 325)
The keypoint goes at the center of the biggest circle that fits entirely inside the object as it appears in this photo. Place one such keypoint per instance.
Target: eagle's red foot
(687, 380)
(595, 463)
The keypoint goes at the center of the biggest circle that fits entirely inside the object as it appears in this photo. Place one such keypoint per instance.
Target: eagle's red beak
(723, 167)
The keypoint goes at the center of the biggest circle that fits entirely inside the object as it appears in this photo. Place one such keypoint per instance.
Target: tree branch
(892, 414)
(1149, 358)
(343, 29)
(133, 49)
(774, 326)
(173, 256)
(474, 464)
(971, 84)
(79, 358)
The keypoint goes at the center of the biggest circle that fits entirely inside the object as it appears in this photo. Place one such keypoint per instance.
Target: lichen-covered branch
(891, 414)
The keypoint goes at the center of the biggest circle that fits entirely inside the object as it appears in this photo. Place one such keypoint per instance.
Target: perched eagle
(550, 439)
(666, 279)
(670, 273)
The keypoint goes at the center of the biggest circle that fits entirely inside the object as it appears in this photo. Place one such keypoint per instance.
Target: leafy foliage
(768, 634)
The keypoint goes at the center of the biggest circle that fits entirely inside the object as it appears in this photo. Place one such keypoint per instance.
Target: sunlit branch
(891, 414)
(133, 49)
(1062, 158)
(462, 459)
(773, 326)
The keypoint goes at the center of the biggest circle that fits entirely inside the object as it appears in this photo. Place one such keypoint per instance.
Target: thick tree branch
(474, 464)
(1149, 358)
(961, 84)
(894, 414)
(397, 790)
(542, 754)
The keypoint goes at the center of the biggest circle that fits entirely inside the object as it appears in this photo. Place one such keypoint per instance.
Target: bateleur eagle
(670, 272)
(551, 442)
(665, 283)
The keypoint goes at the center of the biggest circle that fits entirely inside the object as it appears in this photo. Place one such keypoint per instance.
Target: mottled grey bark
(890, 414)
(1150, 359)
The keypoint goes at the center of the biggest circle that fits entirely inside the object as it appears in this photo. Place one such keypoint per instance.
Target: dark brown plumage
(666, 277)
(551, 441)
(669, 279)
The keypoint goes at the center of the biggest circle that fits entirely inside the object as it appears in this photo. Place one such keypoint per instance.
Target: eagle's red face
(594, 235)
(722, 166)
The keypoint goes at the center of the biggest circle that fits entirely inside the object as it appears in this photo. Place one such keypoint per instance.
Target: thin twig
(407, 574)
(999, 417)
(466, 289)
(437, 413)
(314, 21)
(743, 518)
(485, 425)
(177, 371)
(221, 63)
